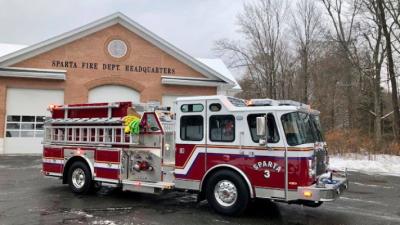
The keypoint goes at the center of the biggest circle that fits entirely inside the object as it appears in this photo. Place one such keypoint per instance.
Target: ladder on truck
(86, 134)
(106, 130)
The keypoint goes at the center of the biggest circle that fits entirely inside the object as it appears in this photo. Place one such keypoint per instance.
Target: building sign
(112, 67)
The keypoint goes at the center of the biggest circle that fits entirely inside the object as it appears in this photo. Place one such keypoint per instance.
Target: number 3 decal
(267, 174)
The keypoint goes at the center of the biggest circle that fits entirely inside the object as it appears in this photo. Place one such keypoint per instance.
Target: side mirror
(261, 128)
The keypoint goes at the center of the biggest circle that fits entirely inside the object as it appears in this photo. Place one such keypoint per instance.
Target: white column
(1, 145)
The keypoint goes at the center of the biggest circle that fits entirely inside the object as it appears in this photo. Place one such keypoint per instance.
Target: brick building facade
(111, 59)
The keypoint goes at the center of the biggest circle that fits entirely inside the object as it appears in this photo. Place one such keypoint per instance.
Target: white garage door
(113, 93)
(168, 100)
(25, 109)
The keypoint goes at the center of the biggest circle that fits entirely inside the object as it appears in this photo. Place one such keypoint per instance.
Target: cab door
(267, 168)
(190, 147)
(225, 135)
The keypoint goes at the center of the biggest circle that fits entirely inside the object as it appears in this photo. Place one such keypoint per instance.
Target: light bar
(262, 102)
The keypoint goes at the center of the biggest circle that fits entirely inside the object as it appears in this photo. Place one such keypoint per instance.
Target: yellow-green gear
(131, 124)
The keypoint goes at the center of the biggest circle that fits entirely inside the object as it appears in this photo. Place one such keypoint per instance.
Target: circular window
(215, 107)
(117, 48)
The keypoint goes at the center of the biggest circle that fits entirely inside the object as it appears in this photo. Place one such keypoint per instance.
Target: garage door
(113, 93)
(25, 109)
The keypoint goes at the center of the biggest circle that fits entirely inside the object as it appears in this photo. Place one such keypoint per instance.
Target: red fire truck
(228, 150)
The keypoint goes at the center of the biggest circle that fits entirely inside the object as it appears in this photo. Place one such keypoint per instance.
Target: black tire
(311, 204)
(96, 186)
(84, 183)
(229, 207)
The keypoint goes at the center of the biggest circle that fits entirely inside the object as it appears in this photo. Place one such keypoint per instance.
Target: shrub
(342, 141)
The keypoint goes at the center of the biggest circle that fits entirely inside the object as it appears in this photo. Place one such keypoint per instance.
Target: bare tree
(261, 24)
(287, 74)
(390, 62)
(307, 30)
(373, 35)
(343, 16)
(392, 8)
(337, 67)
(367, 60)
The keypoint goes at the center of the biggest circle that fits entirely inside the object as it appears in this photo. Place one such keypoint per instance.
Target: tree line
(342, 57)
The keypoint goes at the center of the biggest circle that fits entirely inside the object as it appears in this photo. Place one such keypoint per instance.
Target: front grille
(327, 194)
(320, 157)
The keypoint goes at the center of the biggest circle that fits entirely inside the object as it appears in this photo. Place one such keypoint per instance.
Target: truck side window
(192, 108)
(192, 128)
(152, 124)
(273, 135)
(222, 128)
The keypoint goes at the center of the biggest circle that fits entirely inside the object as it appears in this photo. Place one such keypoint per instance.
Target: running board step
(160, 185)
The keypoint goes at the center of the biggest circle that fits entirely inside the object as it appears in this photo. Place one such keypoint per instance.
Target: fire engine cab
(228, 150)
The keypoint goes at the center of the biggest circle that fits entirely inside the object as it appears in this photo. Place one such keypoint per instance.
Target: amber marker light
(307, 194)
(52, 107)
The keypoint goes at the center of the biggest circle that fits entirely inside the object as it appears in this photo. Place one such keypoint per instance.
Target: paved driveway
(28, 198)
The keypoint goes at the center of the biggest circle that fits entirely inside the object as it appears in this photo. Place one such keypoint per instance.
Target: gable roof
(219, 66)
(116, 18)
(7, 48)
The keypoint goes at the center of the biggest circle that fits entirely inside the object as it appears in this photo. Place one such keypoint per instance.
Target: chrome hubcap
(78, 178)
(225, 193)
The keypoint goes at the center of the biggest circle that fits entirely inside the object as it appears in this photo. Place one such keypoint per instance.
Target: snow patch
(103, 222)
(219, 66)
(6, 48)
(375, 164)
(81, 213)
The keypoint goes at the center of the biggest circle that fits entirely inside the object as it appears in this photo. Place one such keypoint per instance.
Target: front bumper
(328, 187)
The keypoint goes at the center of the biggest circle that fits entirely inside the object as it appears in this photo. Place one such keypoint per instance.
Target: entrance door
(113, 93)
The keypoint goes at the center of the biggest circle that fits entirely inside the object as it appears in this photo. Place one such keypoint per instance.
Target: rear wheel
(227, 193)
(80, 178)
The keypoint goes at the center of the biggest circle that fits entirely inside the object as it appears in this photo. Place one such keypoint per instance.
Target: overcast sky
(191, 25)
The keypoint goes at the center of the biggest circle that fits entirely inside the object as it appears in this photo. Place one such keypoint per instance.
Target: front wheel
(79, 178)
(227, 193)
(311, 203)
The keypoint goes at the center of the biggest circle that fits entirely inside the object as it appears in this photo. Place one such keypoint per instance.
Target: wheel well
(215, 170)
(68, 165)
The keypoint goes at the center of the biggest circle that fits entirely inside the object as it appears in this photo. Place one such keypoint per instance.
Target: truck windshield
(301, 128)
(318, 128)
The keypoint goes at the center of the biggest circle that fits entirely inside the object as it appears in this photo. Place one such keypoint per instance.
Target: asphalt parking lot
(28, 198)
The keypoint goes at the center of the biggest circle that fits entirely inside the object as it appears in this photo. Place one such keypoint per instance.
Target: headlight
(327, 159)
(311, 167)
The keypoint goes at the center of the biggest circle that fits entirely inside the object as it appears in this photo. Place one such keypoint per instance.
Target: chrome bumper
(328, 187)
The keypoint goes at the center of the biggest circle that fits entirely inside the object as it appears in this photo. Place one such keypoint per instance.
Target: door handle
(251, 154)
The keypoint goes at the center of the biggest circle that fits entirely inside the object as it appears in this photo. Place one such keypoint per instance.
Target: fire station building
(111, 59)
